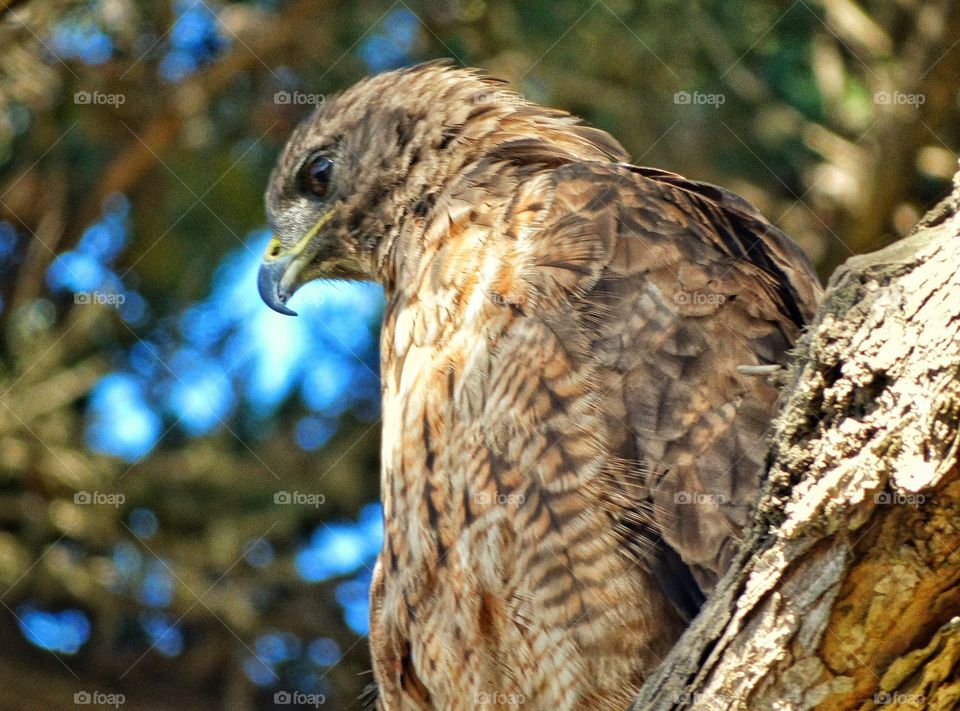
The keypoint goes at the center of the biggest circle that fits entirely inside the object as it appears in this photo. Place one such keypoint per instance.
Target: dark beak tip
(268, 284)
(286, 311)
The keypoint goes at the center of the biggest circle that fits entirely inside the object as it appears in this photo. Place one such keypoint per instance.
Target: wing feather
(670, 285)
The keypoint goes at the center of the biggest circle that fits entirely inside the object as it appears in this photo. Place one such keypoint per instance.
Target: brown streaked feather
(699, 425)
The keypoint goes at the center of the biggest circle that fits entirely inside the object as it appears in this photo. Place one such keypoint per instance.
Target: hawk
(570, 451)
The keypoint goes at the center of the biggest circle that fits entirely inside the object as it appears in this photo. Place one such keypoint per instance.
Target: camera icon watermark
(298, 698)
(899, 98)
(298, 498)
(499, 698)
(100, 298)
(497, 98)
(899, 499)
(518, 300)
(699, 98)
(98, 98)
(297, 98)
(99, 698)
(484, 498)
(698, 298)
(689, 697)
(885, 698)
(698, 498)
(98, 498)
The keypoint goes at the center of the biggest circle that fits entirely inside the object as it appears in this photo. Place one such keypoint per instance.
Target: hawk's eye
(316, 174)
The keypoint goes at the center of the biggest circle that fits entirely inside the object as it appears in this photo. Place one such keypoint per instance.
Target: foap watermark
(297, 98)
(298, 698)
(484, 498)
(898, 498)
(899, 98)
(885, 698)
(100, 298)
(299, 498)
(499, 698)
(699, 98)
(698, 498)
(497, 98)
(98, 98)
(98, 498)
(698, 298)
(518, 300)
(690, 697)
(99, 698)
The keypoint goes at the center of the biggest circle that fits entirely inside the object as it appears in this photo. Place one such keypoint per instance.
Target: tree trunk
(846, 594)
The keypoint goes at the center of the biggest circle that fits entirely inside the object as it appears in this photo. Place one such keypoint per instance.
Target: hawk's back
(569, 452)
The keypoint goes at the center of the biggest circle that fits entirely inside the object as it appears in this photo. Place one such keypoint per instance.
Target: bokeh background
(188, 481)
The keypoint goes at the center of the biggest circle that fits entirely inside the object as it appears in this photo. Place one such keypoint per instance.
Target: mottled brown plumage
(569, 452)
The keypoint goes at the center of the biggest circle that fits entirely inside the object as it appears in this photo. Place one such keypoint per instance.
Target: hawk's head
(370, 164)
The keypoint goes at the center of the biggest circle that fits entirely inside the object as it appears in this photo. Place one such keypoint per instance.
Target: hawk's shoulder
(676, 219)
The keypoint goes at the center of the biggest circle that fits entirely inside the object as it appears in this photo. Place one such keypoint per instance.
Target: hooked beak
(280, 271)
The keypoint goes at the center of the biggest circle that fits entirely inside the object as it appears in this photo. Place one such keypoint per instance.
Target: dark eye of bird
(316, 174)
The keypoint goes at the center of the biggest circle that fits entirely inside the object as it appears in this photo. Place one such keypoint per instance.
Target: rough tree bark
(846, 594)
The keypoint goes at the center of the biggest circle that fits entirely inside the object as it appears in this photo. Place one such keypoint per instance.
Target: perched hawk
(569, 450)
